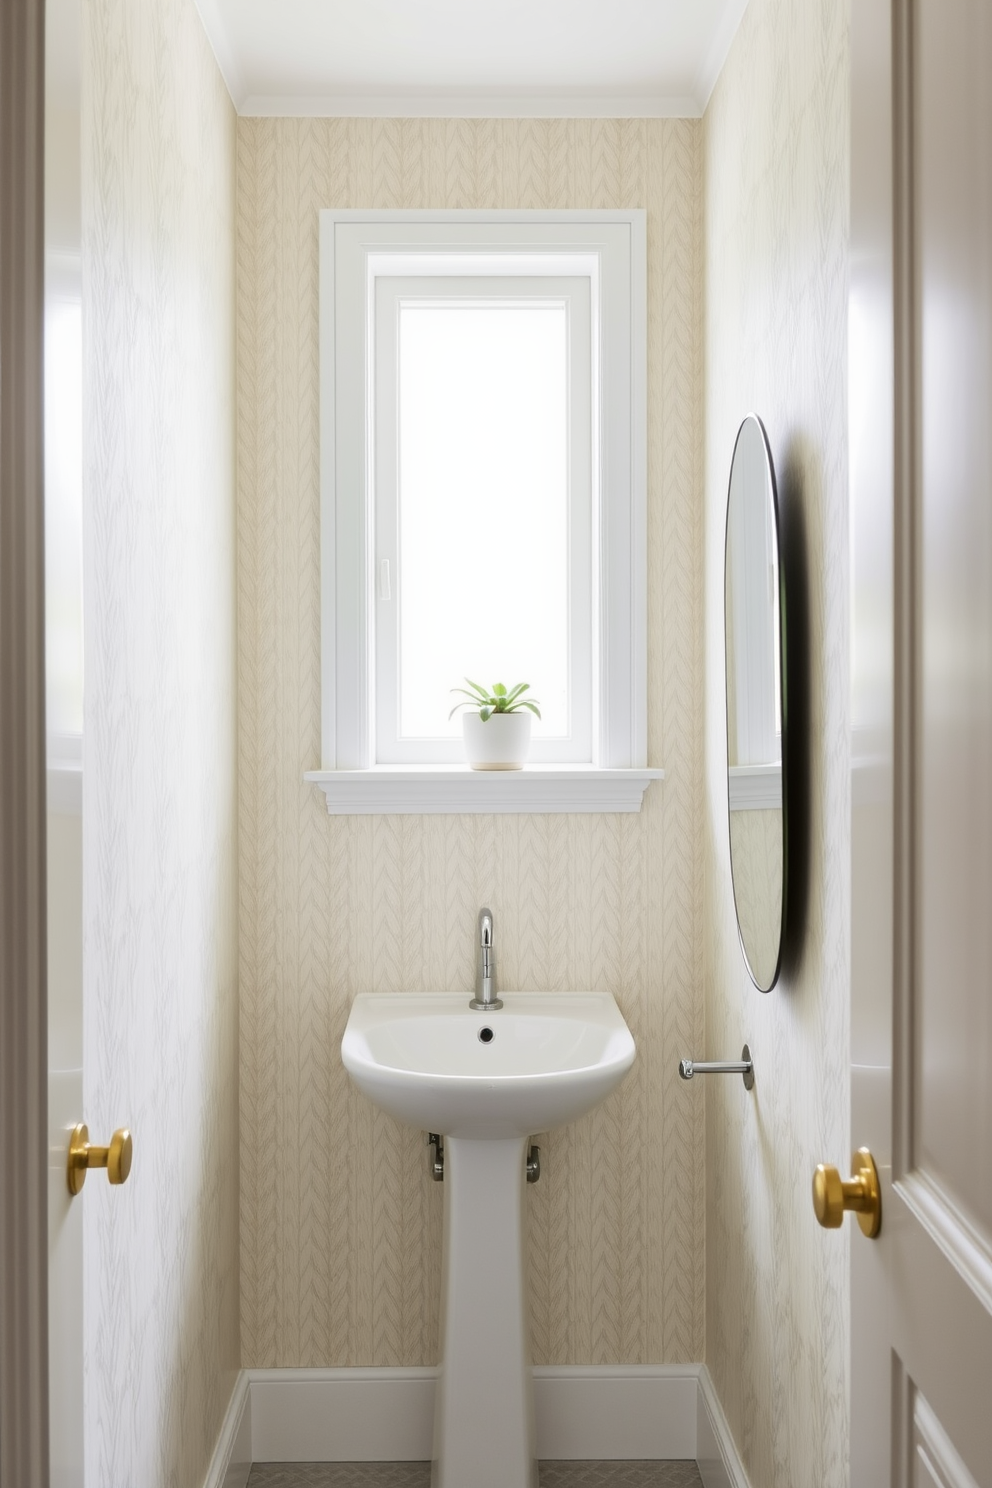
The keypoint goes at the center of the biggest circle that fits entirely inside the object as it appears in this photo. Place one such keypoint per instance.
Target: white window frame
(356, 247)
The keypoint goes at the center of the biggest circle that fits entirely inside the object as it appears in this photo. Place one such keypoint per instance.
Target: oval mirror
(756, 716)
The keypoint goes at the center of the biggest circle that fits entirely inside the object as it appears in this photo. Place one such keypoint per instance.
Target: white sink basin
(551, 1057)
(543, 1058)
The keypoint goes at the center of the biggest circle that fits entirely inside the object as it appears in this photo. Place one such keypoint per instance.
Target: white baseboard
(342, 1415)
(231, 1462)
(599, 1414)
(387, 1415)
(719, 1461)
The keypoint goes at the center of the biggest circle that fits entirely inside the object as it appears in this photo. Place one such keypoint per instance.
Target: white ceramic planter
(502, 742)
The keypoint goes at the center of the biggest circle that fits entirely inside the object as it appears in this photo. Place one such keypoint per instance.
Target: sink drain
(486, 1035)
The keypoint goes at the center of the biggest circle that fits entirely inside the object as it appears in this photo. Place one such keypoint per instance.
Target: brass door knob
(83, 1155)
(832, 1194)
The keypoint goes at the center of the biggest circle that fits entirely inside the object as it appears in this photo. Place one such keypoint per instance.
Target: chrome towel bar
(743, 1066)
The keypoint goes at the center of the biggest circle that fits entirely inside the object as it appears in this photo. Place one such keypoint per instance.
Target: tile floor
(418, 1475)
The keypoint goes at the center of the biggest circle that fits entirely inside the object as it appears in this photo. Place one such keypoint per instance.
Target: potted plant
(496, 727)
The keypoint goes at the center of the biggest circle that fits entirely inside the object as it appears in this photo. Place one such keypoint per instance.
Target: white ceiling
(471, 58)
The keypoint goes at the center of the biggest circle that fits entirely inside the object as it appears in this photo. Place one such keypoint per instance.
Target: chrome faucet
(485, 999)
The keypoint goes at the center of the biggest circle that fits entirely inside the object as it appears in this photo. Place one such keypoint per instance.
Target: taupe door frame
(23, 979)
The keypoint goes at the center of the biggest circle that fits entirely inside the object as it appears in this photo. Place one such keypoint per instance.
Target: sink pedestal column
(484, 1417)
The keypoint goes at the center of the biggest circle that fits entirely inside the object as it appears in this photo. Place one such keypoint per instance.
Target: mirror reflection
(755, 704)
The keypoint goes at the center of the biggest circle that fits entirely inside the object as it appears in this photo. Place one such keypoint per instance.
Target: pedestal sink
(486, 1081)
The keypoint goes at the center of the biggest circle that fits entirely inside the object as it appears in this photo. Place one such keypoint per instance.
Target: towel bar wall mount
(744, 1066)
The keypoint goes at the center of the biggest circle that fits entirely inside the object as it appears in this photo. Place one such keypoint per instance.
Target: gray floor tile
(340, 1475)
(620, 1475)
(418, 1475)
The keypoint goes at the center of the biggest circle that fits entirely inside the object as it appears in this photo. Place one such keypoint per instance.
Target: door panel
(921, 452)
(933, 1456)
(953, 251)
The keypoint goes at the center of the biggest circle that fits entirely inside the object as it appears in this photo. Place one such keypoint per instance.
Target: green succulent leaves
(498, 700)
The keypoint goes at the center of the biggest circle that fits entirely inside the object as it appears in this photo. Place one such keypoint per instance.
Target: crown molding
(718, 54)
(476, 104)
(220, 43)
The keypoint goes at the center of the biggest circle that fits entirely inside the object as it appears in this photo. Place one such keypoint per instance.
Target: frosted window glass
(483, 507)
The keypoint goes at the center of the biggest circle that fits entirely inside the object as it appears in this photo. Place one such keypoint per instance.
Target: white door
(65, 1097)
(921, 466)
(63, 625)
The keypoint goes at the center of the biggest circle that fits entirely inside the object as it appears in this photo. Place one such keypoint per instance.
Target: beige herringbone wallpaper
(160, 859)
(776, 150)
(340, 1222)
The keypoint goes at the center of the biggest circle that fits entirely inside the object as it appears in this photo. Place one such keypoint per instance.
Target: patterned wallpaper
(757, 878)
(340, 1223)
(159, 808)
(776, 185)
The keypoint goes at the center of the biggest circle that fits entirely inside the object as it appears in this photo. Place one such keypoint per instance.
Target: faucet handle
(485, 928)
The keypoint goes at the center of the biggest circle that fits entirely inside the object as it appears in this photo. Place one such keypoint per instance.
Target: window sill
(432, 790)
(755, 787)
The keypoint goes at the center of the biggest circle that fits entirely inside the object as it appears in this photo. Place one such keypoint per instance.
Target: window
(754, 735)
(482, 493)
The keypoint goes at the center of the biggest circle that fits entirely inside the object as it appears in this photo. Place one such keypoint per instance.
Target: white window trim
(363, 243)
(755, 787)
